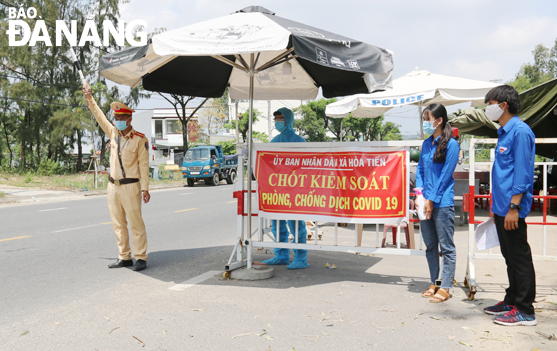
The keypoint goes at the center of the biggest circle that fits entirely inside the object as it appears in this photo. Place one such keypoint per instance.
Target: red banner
(363, 186)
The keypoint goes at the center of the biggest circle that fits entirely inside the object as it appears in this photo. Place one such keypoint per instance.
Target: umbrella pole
(250, 142)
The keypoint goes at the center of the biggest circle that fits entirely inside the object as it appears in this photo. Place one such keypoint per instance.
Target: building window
(158, 129)
(174, 126)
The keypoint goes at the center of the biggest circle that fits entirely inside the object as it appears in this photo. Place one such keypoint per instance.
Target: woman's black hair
(505, 93)
(439, 111)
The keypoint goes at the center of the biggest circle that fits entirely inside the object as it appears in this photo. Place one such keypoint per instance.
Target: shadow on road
(180, 265)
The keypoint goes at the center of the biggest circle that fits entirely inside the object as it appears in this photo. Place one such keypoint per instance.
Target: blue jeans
(438, 232)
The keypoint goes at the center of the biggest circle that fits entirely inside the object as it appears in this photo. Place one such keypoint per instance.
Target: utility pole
(237, 131)
(269, 121)
(229, 103)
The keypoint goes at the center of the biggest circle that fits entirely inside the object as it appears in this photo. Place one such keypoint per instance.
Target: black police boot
(121, 263)
(140, 265)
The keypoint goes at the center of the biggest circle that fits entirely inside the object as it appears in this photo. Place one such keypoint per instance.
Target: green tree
(243, 123)
(69, 127)
(180, 103)
(543, 69)
(41, 80)
(315, 125)
(228, 147)
(261, 136)
(311, 124)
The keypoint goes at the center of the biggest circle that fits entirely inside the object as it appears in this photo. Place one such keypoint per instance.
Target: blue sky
(475, 39)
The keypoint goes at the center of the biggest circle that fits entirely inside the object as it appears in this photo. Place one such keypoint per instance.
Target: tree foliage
(318, 127)
(43, 113)
(243, 125)
(213, 116)
(228, 147)
(180, 103)
(543, 69)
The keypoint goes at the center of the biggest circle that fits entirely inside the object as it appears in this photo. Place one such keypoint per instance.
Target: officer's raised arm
(99, 115)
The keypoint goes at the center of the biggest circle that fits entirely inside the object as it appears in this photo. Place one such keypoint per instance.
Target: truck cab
(209, 163)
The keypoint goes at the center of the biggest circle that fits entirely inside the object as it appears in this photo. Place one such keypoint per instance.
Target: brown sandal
(441, 295)
(430, 291)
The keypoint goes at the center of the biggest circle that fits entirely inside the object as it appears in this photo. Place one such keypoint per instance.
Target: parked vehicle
(209, 163)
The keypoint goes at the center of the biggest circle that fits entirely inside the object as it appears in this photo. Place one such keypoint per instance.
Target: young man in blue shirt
(512, 195)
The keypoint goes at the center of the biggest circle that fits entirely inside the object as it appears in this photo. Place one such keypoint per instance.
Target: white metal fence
(263, 238)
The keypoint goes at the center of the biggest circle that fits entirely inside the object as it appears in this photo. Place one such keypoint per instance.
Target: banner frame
(336, 147)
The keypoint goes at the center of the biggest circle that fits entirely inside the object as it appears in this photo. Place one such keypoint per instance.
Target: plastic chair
(394, 229)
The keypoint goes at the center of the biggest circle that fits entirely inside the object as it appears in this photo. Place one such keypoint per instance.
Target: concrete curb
(20, 196)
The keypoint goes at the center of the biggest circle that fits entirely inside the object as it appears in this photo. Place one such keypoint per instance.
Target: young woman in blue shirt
(438, 161)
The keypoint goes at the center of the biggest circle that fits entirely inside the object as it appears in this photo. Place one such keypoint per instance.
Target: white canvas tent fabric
(238, 33)
(418, 88)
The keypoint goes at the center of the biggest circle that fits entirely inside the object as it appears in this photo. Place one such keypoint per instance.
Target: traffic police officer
(129, 181)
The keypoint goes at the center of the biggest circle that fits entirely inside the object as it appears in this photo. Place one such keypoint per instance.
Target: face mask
(121, 125)
(494, 112)
(280, 126)
(428, 127)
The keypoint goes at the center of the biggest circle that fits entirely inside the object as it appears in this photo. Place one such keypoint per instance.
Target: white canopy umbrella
(417, 88)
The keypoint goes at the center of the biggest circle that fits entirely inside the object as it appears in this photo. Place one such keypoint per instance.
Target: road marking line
(53, 209)
(65, 230)
(185, 194)
(107, 223)
(229, 202)
(19, 237)
(189, 209)
(191, 282)
(224, 189)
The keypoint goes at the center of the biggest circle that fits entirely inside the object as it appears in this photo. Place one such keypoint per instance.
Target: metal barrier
(469, 206)
(246, 242)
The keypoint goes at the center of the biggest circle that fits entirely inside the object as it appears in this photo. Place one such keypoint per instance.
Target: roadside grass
(2, 194)
(72, 182)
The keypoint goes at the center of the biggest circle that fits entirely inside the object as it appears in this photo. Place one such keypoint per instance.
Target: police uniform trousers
(124, 204)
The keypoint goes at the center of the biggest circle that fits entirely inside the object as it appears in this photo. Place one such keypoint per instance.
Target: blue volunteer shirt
(513, 169)
(436, 179)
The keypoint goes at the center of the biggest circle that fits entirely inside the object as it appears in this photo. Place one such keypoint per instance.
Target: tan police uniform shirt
(134, 147)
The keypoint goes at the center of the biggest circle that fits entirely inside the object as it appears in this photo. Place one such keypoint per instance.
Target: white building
(163, 129)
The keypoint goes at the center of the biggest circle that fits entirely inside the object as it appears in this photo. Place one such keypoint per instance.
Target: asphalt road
(55, 252)
(56, 292)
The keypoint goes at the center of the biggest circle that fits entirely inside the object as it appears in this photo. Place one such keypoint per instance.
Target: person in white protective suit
(284, 123)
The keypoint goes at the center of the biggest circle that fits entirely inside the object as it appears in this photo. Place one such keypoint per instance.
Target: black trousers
(520, 268)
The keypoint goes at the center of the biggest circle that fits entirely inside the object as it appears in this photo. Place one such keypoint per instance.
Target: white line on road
(65, 230)
(193, 281)
(185, 194)
(224, 189)
(53, 209)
